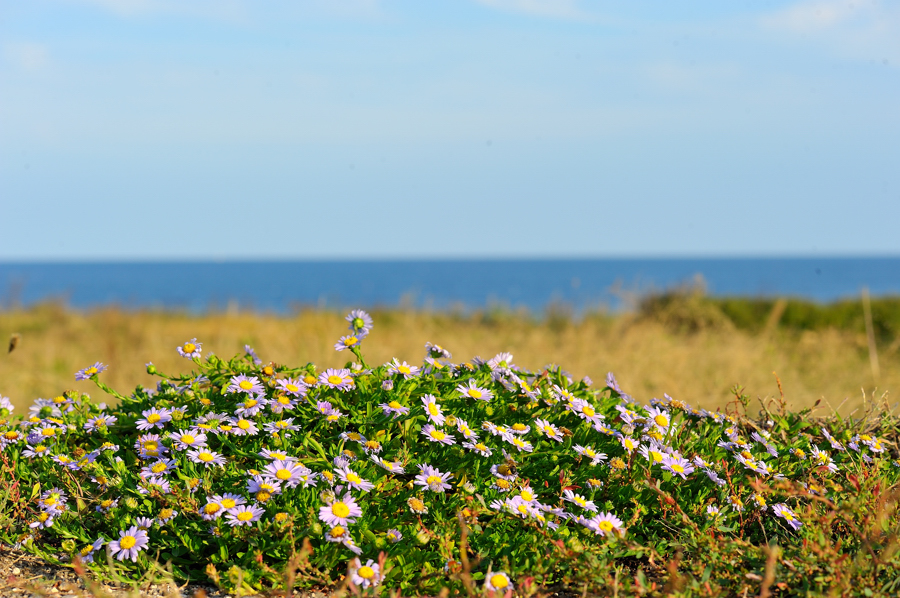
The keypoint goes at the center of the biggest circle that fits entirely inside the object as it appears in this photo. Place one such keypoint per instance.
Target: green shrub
(478, 476)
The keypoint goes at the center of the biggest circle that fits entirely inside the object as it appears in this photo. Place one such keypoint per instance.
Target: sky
(380, 129)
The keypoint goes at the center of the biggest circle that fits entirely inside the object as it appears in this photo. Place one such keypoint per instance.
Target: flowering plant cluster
(478, 473)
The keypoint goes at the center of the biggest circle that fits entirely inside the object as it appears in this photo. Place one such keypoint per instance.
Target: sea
(535, 285)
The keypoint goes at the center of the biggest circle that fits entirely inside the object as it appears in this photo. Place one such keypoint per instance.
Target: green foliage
(530, 477)
(689, 309)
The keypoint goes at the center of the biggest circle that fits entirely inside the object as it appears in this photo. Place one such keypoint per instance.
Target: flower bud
(151, 369)
(68, 545)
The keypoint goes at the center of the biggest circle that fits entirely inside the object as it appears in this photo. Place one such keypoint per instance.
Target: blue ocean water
(440, 284)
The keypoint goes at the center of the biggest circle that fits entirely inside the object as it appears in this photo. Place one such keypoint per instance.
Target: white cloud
(859, 29)
(560, 9)
(28, 56)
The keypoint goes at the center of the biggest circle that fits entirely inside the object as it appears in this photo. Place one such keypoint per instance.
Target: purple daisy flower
(783, 511)
(435, 435)
(90, 371)
(605, 524)
(431, 478)
(154, 418)
(99, 422)
(354, 480)
(403, 369)
(246, 384)
(206, 457)
(293, 387)
(211, 510)
(473, 391)
(394, 409)
(249, 351)
(498, 581)
(359, 321)
(433, 410)
(190, 349)
(366, 575)
(252, 405)
(284, 472)
(678, 466)
(340, 511)
(188, 440)
(243, 426)
(339, 379)
(160, 467)
(130, 542)
(228, 501)
(349, 341)
(282, 425)
(244, 515)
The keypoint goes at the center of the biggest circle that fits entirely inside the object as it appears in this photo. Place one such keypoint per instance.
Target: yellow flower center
(283, 474)
(527, 496)
(394, 405)
(438, 435)
(475, 393)
(657, 457)
(292, 387)
(499, 581)
(228, 503)
(250, 403)
(433, 409)
(501, 483)
(588, 411)
(245, 384)
(309, 379)
(189, 347)
(187, 439)
(165, 513)
(243, 424)
(519, 427)
(337, 531)
(48, 431)
(590, 453)
(206, 457)
(340, 509)
(127, 542)
(677, 468)
(416, 504)
(212, 508)
(433, 479)
(606, 526)
(335, 379)
(350, 341)
(91, 371)
(481, 446)
(404, 369)
(244, 516)
(353, 478)
(366, 572)
(158, 467)
(263, 496)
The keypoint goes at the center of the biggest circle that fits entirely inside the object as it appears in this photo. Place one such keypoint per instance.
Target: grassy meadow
(692, 347)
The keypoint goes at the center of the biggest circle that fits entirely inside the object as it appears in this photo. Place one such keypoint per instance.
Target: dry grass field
(649, 355)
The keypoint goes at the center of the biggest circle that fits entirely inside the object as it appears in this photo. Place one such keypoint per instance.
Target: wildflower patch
(478, 475)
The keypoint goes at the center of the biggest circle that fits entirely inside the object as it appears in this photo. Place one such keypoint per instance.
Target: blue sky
(239, 129)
